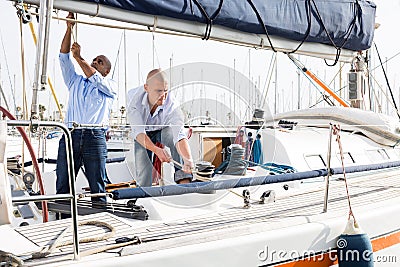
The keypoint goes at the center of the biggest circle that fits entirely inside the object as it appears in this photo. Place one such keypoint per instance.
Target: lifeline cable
(387, 81)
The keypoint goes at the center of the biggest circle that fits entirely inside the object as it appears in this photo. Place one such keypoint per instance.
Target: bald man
(90, 101)
(155, 117)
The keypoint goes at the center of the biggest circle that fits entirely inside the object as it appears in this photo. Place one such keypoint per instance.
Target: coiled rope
(48, 249)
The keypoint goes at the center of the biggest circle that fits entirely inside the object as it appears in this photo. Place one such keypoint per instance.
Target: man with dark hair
(89, 105)
(155, 117)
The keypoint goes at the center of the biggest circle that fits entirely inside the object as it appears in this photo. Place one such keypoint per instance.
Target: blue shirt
(90, 99)
(167, 115)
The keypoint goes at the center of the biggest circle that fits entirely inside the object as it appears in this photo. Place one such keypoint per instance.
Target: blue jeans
(143, 157)
(90, 150)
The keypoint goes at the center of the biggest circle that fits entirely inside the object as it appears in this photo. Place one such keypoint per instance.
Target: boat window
(377, 155)
(347, 158)
(315, 161)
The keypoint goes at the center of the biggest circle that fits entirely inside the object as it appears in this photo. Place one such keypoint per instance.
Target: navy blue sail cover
(350, 23)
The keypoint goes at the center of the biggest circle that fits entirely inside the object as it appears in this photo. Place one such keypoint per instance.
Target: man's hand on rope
(187, 165)
(163, 155)
(70, 24)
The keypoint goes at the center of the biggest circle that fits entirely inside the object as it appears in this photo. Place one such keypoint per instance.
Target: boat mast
(125, 72)
(298, 88)
(40, 80)
(276, 84)
(250, 82)
(234, 91)
(2, 92)
(24, 100)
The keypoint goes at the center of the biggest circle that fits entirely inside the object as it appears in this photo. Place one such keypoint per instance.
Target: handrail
(70, 163)
(21, 130)
(24, 199)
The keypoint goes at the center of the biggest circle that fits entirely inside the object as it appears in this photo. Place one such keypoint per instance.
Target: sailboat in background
(268, 216)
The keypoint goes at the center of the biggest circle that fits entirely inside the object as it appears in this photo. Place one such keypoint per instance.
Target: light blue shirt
(167, 115)
(90, 99)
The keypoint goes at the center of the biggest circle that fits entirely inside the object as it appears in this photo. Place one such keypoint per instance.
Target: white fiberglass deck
(303, 208)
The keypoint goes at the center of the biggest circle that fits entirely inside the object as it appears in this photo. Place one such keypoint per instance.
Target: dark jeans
(90, 150)
(143, 157)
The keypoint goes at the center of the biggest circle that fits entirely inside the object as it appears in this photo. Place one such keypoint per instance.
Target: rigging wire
(313, 82)
(375, 95)
(384, 93)
(269, 77)
(8, 71)
(117, 57)
(334, 77)
(386, 61)
(155, 53)
(4, 97)
(324, 97)
(387, 81)
(319, 100)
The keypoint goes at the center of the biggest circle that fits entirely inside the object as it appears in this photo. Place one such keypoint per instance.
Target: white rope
(48, 249)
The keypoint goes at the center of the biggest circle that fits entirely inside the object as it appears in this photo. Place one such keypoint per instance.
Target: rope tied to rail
(336, 131)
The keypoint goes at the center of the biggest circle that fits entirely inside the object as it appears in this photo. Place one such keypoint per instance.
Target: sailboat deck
(286, 211)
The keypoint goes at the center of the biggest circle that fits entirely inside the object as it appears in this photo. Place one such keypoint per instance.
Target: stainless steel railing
(70, 163)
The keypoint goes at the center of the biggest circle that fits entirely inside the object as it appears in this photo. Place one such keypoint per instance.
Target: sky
(146, 51)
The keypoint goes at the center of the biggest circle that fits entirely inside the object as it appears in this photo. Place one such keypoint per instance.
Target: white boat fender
(354, 247)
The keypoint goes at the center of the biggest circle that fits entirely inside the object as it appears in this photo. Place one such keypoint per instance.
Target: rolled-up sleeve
(105, 85)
